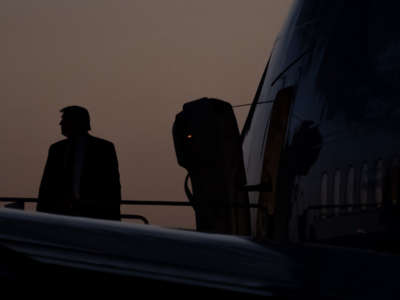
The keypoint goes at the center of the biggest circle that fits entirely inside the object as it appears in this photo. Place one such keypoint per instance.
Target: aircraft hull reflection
(141, 252)
(38, 247)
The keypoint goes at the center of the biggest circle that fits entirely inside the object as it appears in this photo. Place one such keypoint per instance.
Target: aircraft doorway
(272, 213)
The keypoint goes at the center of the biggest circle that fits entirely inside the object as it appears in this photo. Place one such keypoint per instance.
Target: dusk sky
(132, 64)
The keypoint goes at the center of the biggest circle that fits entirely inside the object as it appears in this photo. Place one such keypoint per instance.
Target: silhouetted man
(81, 176)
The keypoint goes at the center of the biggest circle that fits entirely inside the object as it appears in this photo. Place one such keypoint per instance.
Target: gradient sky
(133, 64)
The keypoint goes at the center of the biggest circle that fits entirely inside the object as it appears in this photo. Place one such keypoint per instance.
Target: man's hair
(79, 114)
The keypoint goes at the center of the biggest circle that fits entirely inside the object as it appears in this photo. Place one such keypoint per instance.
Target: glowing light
(189, 136)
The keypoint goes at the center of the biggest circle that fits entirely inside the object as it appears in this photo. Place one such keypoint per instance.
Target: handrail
(123, 202)
(131, 202)
(21, 199)
(181, 203)
(19, 203)
(152, 202)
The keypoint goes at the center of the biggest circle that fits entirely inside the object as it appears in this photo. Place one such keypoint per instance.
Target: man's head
(75, 121)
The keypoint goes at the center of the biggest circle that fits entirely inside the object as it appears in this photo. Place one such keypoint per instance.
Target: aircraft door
(272, 215)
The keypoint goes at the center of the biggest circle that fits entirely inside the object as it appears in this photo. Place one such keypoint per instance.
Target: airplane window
(364, 186)
(350, 188)
(379, 183)
(336, 191)
(324, 193)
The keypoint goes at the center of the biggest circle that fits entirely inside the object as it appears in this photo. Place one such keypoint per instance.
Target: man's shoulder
(92, 140)
(100, 142)
(59, 144)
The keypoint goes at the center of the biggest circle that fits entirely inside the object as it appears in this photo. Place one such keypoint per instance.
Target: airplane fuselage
(340, 60)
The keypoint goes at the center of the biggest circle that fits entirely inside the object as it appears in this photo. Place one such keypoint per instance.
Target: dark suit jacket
(100, 189)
